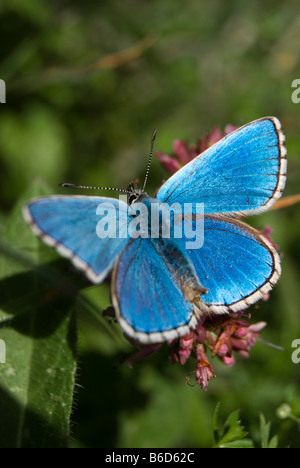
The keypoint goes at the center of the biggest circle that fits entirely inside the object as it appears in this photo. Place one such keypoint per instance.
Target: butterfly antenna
(74, 186)
(150, 158)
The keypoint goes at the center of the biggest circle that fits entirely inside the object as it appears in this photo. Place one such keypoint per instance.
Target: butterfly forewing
(69, 224)
(244, 173)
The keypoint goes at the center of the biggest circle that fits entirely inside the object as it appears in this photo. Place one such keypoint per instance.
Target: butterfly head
(134, 194)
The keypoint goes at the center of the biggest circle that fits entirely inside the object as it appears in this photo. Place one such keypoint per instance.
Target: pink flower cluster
(223, 336)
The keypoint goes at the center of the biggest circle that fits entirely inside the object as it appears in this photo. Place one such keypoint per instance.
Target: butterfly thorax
(151, 218)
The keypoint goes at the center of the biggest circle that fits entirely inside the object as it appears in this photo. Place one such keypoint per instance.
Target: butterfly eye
(133, 194)
(132, 198)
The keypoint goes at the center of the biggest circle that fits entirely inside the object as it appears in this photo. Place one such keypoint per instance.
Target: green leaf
(39, 333)
(273, 442)
(233, 434)
(243, 443)
(233, 419)
(265, 428)
(37, 379)
(264, 431)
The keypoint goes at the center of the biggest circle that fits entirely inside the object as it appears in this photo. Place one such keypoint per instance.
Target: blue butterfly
(160, 288)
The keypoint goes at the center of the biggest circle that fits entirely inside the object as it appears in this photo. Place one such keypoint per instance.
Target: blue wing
(236, 264)
(69, 224)
(244, 172)
(154, 288)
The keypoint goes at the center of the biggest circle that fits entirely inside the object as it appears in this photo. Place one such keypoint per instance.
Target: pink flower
(223, 336)
(240, 336)
(182, 349)
(204, 371)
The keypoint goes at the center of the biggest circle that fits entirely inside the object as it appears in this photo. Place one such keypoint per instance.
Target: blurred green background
(86, 84)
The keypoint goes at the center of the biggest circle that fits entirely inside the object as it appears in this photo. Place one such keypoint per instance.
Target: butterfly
(160, 289)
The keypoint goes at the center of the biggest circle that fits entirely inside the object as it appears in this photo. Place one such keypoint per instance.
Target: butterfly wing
(69, 224)
(236, 264)
(153, 291)
(244, 173)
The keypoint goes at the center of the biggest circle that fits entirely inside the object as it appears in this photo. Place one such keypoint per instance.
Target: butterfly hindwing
(153, 289)
(236, 264)
(244, 173)
(69, 224)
